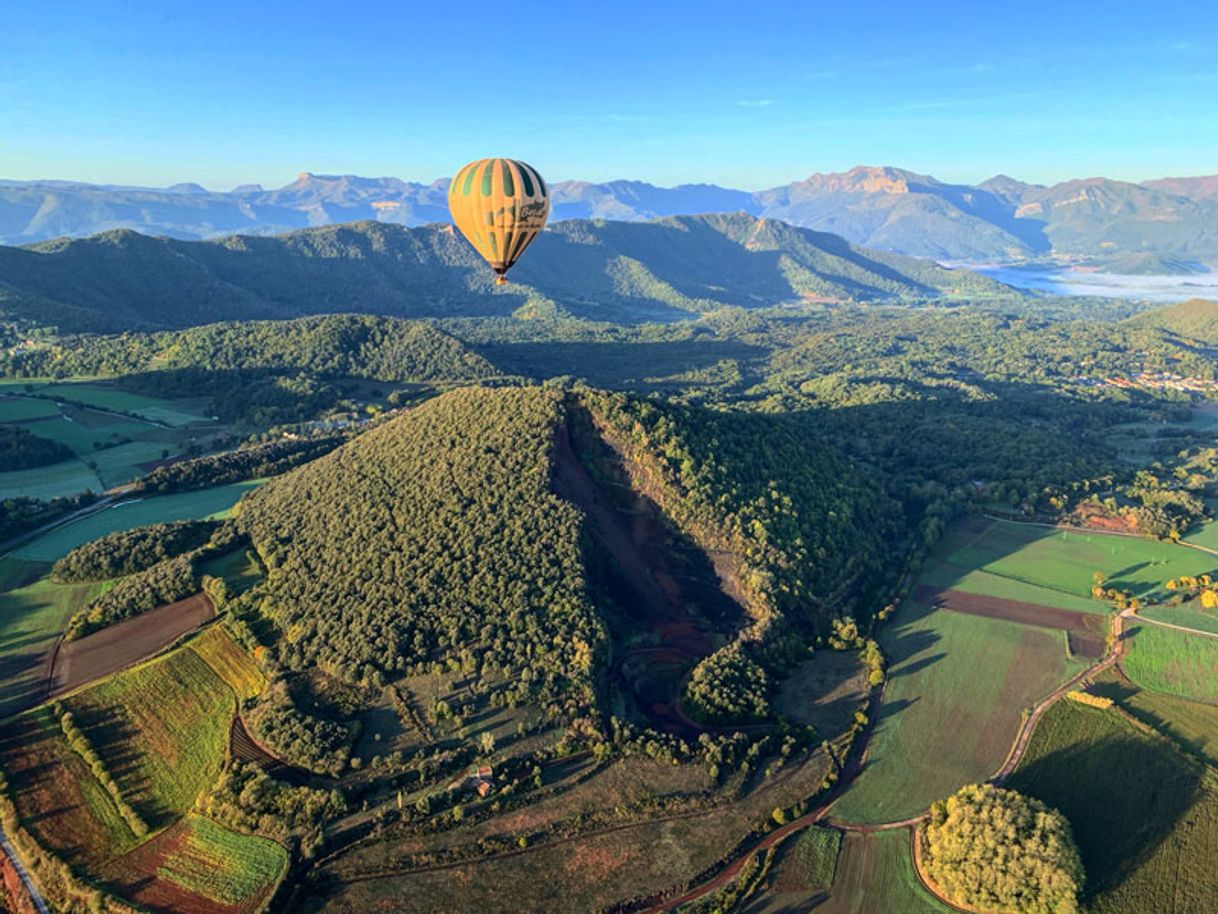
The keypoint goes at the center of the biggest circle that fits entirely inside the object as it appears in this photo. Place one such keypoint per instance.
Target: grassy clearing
(31, 618)
(1145, 816)
(875, 874)
(239, 569)
(1173, 662)
(956, 688)
(162, 730)
(824, 691)
(220, 864)
(214, 502)
(1064, 560)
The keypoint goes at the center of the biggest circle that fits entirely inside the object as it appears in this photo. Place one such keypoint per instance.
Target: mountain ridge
(882, 207)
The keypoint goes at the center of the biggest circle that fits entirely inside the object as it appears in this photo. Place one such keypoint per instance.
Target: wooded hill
(665, 269)
(437, 536)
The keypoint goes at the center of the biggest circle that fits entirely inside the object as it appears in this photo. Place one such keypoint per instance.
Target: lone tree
(1000, 851)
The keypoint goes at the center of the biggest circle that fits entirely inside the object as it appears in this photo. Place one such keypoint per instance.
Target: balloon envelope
(500, 206)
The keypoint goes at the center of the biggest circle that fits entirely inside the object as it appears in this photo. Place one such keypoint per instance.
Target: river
(1155, 288)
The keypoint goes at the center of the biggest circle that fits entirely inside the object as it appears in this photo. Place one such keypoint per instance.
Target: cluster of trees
(126, 552)
(433, 536)
(255, 461)
(21, 514)
(728, 687)
(318, 744)
(1190, 587)
(79, 743)
(21, 449)
(250, 800)
(165, 582)
(996, 850)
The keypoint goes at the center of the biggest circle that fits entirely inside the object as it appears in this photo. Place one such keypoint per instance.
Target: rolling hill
(1195, 319)
(880, 207)
(665, 269)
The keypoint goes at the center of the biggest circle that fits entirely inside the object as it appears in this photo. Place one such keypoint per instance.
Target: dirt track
(124, 643)
(1086, 629)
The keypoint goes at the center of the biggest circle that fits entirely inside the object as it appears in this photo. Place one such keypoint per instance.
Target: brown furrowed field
(125, 643)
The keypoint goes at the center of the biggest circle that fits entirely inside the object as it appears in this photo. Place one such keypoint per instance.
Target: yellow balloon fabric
(500, 206)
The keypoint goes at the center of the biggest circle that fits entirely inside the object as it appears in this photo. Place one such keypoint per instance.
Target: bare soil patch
(126, 642)
(1086, 629)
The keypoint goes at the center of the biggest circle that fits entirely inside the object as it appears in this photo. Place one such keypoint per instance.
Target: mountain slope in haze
(665, 269)
(880, 207)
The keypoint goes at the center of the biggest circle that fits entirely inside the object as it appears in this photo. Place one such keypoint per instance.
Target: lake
(1166, 288)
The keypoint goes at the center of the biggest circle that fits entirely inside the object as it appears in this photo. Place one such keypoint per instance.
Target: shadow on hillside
(1123, 796)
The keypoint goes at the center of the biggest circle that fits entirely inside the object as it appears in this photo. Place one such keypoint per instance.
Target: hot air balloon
(500, 206)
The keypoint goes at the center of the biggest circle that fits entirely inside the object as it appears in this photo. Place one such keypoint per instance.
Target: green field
(1144, 815)
(1173, 662)
(239, 569)
(55, 481)
(945, 575)
(956, 688)
(22, 409)
(106, 396)
(1064, 561)
(31, 618)
(134, 512)
(162, 730)
(1184, 616)
(1193, 725)
(875, 875)
(221, 864)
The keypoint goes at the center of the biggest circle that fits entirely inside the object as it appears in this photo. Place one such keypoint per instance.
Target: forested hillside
(669, 268)
(340, 345)
(434, 536)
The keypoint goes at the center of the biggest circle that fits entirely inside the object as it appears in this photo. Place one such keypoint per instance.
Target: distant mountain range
(623, 271)
(1156, 226)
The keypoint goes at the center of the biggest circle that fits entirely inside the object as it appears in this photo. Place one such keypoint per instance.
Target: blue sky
(746, 94)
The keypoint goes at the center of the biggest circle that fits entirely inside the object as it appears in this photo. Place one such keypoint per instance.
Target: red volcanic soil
(124, 643)
(1086, 630)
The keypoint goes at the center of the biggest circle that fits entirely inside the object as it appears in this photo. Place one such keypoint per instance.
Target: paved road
(39, 905)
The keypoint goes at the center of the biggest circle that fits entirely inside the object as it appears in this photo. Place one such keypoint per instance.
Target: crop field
(196, 865)
(57, 480)
(943, 575)
(1064, 560)
(802, 871)
(875, 873)
(1191, 724)
(23, 409)
(214, 502)
(107, 396)
(1174, 662)
(1145, 816)
(956, 688)
(31, 618)
(218, 650)
(162, 730)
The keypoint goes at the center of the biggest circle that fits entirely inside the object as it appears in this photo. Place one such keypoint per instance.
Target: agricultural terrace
(1144, 815)
(215, 502)
(1175, 662)
(160, 732)
(875, 873)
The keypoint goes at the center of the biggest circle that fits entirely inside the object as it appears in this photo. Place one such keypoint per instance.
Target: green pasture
(1065, 560)
(135, 512)
(31, 619)
(1144, 815)
(957, 686)
(1173, 662)
(1192, 725)
(23, 409)
(55, 481)
(1188, 616)
(102, 395)
(986, 583)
